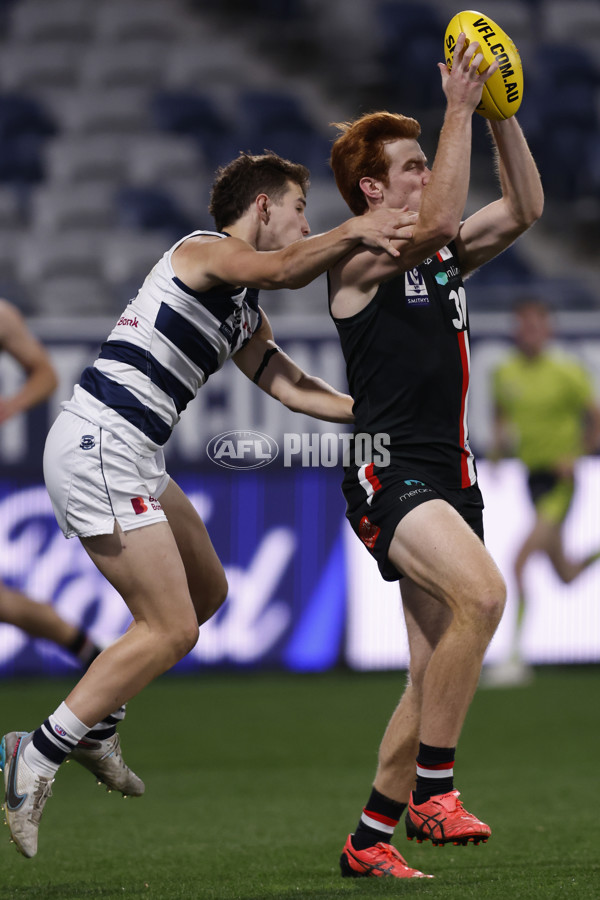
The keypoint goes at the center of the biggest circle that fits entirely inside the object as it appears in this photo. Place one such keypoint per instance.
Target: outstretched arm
(277, 374)
(355, 278)
(203, 264)
(492, 229)
(19, 342)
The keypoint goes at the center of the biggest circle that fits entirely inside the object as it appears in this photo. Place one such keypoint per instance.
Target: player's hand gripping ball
(503, 92)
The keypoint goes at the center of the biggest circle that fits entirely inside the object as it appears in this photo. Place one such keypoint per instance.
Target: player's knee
(482, 603)
(189, 637)
(491, 601)
(184, 639)
(218, 594)
(212, 599)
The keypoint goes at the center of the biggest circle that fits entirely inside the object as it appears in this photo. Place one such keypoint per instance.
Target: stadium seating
(114, 115)
(276, 120)
(121, 21)
(136, 63)
(411, 41)
(197, 116)
(36, 21)
(151, 209)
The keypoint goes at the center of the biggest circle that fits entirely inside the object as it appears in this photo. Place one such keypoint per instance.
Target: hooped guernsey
(408, 361)
(164, 347)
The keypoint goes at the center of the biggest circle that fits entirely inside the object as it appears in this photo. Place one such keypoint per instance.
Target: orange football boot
(380, 861)
(444, 820)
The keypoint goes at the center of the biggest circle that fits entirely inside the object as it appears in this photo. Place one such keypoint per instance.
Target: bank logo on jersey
(141, 506)
(415, 288)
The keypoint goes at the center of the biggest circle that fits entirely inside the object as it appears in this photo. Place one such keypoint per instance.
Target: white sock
(53, 741)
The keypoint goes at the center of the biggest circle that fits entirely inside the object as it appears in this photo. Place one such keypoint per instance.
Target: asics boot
(444, 820)
(380, 861)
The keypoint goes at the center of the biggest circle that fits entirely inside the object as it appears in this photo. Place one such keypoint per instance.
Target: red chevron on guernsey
(369, 481)
(467, 468)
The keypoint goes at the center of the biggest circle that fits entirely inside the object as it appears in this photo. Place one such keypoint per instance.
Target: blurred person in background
(104, 462)
(547, 415)
(403, 328)
(39, 620)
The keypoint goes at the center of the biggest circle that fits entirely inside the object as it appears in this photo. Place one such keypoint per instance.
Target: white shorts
(93, 479)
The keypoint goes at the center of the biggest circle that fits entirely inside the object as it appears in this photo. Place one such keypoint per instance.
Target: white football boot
(105, 760)
(25, 793)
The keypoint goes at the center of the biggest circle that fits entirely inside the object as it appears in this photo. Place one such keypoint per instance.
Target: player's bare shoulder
(196, 261)
(354, 280)
(198, 246)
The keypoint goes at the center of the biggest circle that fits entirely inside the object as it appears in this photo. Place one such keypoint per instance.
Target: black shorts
(378, 498)
(551, 494)
(541, 482)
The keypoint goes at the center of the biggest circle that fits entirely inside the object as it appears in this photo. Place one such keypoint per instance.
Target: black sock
(435, 772)
(377, 822)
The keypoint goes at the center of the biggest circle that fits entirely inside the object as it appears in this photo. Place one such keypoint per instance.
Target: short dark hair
(239, 183)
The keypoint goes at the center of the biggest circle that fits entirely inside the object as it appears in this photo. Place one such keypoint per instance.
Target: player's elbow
(286, 277)
(52, 383)
(436, 235)
(528, 213)
(291, 391)
(535, 212)
(288, 396)
(292, 268)
(278, 279)
(46, 379)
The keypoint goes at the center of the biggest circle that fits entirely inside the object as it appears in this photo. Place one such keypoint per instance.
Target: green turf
(253, 782)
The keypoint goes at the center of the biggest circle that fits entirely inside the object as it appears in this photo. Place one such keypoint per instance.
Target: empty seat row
(113, 20)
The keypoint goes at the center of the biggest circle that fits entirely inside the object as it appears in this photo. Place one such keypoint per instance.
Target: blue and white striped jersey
(164, 347)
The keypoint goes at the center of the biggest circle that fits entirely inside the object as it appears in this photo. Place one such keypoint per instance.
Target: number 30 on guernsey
(460, 302)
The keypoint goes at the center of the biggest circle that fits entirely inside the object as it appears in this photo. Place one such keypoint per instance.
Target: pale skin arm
(445, 196)
(356, 278)
(492, 229)
(25, 349)
(204, 262)
(285, 381)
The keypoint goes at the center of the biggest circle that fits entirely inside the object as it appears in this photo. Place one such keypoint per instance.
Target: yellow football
(503, 92)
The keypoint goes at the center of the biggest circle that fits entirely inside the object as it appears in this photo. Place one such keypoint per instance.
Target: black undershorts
(386, 494)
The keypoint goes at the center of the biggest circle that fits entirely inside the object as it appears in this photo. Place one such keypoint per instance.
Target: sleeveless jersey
(407, 361)
(163, 348)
